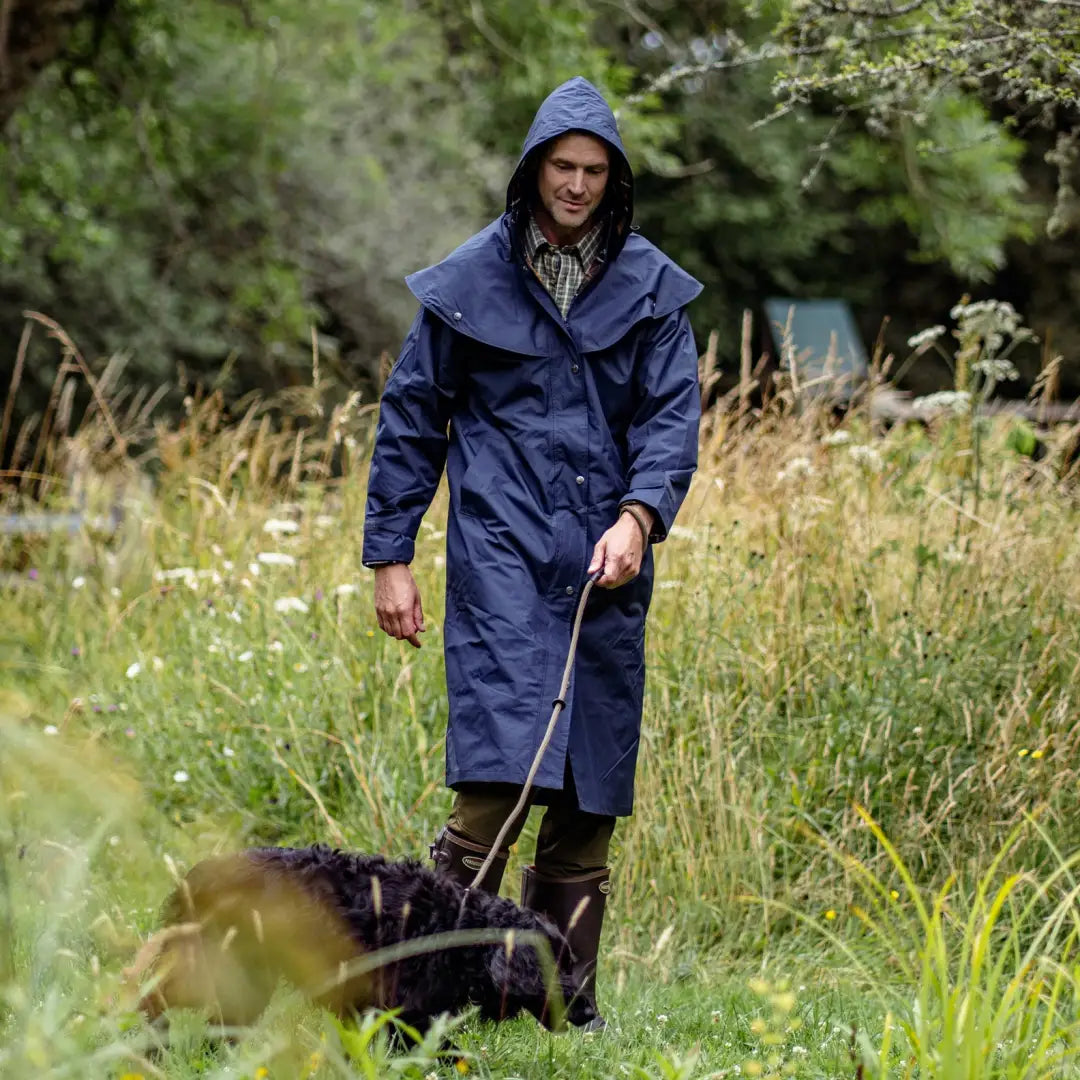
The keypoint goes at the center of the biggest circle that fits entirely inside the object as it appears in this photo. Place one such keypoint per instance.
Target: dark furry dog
(238, 923)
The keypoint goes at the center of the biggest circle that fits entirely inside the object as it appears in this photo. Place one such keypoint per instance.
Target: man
(552, 370)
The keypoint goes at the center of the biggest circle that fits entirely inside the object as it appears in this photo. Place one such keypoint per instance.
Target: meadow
(855, 845)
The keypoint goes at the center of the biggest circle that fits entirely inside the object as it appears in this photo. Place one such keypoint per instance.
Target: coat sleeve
(663, 436)
(410, 441)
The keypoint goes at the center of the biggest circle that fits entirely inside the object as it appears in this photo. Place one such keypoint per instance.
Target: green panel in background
(824, 338)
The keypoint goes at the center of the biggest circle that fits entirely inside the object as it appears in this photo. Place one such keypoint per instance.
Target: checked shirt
(563, 270)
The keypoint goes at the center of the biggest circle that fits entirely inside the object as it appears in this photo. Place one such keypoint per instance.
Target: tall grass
(835, 623)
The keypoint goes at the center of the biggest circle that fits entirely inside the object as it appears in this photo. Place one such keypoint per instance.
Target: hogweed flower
(925, 338)
(868, 457)
(276, 558)
(956, 401)
(180, 776)
(177, 573)
(280, 526)
(996, 369)
(795, 468)
(285, 604)
(836, 438)
(133, 670)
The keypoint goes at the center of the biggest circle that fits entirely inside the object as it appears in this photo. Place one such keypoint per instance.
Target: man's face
(571, 183)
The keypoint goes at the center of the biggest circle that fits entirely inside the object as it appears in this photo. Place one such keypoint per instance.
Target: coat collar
(481, 291)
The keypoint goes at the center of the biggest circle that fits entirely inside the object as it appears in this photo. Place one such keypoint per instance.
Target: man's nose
(577, 181)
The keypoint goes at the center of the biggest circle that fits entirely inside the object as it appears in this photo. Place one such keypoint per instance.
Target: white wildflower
(114, 592)
(670, 585)
(868, 457)
(227, 564)
(50, 729)
(925, 338)
(157, 664)
(796, 467)
(682, 532)
(228, 751)
(280, 526)
(836, 438)
(325, 521)
(346, 589)
(180, 777)
(986, 316)
(133, 669)
(78, 582)
(285, 604)
(955, 401)
(276, 558)
(440, 562)
(996, 369)
(177, 573)
(276, 646)
(661, 1018)
(953, 555)
(245, 656)
(114, 841)
(235, 616)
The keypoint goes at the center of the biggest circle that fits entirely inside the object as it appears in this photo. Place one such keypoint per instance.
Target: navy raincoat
(544, 426)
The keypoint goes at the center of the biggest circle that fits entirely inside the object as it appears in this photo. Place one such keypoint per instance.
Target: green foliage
(952, 179)
(241, 181)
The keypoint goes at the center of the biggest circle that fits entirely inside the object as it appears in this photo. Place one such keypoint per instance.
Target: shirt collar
(587, 248)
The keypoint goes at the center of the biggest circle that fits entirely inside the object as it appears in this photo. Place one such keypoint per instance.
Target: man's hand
(397, 603)
(620, 550)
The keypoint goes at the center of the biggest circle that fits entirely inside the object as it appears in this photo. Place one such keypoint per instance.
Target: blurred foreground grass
(838, 622)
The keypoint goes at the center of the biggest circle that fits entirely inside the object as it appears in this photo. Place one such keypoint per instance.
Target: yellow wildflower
(830, 915)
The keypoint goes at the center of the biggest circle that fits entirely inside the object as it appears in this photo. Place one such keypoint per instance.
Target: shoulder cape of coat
(543, 425)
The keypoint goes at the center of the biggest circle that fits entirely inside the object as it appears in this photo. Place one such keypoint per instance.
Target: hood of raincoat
(576, 106)
(472, 291)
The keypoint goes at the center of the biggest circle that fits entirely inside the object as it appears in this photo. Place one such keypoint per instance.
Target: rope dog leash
(559, 704)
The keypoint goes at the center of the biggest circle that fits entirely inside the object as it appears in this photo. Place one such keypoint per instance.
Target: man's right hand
(397, 603)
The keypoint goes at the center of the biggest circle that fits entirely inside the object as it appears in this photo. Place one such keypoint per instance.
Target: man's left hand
(620, 550)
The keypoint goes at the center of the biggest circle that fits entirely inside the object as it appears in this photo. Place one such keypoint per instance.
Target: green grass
(830, 630)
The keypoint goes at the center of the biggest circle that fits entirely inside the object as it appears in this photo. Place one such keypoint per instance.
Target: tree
(890, 57)
(33, 33)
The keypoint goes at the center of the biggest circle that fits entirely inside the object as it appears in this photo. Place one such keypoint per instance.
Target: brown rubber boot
(576, 906)
(461, 859)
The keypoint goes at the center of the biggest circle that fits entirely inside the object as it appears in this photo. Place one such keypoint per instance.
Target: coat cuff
(651, 499)
(387, 547)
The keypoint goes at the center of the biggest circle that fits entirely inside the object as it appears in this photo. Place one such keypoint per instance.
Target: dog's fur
(238, 923)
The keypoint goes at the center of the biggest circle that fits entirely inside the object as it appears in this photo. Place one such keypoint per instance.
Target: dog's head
(519, 981)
